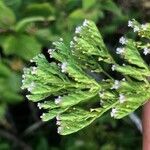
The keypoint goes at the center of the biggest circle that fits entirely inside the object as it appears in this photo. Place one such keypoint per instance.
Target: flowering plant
(75, 86)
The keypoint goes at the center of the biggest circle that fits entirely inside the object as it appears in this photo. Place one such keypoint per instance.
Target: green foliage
(10, 91)
(69, 77)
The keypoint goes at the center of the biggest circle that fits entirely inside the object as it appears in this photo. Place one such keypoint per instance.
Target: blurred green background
(28, 27)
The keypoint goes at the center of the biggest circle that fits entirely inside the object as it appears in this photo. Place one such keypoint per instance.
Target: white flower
(71, 44)
(26, 70)
(58, 122)
(59, 129)
(31, 60)
(101, 102)
(113, 67)
(23, 76)
(123, 40)
(136, 29)
(27, 96)
(144, 26)
(122, 98)
(78, 29)
(42, 115)
(113, 112)
(39, 105)
(23, 81)
(61, 39)
(130, 23)
(123, 79)
(146, 51)
(34, 70)
(120, 50)
(116, 85)
(64, 67)
(50, 51)
(101, 94)
(31, 87)
(58, 100)
(85, 23)
(58, 117)
(75, 39)
(54, 43)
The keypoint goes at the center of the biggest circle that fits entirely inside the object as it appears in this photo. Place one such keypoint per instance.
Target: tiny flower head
(116, 85)
(61, 39)
(58, 100)
(146, 51)
(59, 129)
(64, 67)
(144, 26)
(31, 87)
(122, 98)
(34, 70)
(113, 67)
(113, 112)
(130, 23)
(39, 105)
(120, 50)
(85, 23)
(123, 40)
(136, 29)
(50, 51)
(78, 29)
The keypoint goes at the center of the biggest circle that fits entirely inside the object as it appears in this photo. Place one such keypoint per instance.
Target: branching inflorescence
(76, 86)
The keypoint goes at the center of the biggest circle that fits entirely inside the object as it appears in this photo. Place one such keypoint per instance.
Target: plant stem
(146, 126)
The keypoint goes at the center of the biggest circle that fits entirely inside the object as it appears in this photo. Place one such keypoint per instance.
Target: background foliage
(29, 27)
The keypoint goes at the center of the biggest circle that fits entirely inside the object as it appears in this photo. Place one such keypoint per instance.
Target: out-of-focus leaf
(88, 3)
(24, 22)
(7, 17)
(15, 4)
(2, 110)
(44, 35)
(109, 5)
(40, 9)
(77, 14)
(22, 45)
(9, 85)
